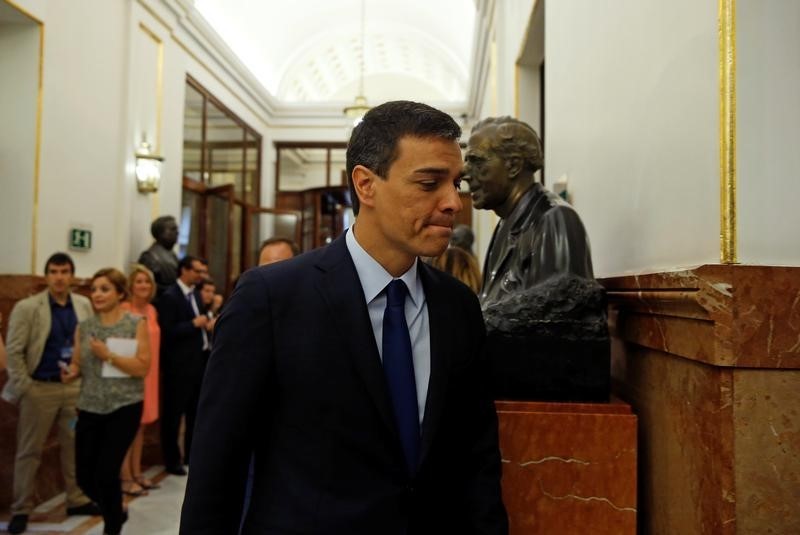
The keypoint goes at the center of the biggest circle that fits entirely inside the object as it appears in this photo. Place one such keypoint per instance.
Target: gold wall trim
(154, 200)
(516, 90)
(159, 82)
(727, 130)
(38, 142)
(37, 151)
(24, 12)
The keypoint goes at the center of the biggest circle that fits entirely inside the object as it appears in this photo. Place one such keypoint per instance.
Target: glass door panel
(219, 232)
(264, 223)
(189, 225)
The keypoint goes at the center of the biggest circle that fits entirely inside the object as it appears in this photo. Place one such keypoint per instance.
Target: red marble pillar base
(568, 468)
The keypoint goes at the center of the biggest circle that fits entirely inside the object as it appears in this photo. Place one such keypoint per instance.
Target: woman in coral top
(142, 287)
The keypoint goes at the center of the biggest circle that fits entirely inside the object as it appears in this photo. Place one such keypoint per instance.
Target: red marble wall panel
(568, 468)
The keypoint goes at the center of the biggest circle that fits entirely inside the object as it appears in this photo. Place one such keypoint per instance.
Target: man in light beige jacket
(40, 337)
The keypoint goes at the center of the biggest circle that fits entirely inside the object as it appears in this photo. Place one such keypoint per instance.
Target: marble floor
(157, 513)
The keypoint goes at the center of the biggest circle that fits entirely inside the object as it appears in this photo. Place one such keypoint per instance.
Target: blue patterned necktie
(398, 366)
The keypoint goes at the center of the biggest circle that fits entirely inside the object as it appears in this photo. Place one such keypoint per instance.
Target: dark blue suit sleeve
(232, 403)
(175, 323)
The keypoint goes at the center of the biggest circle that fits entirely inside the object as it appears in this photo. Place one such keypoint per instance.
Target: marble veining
(586, 499)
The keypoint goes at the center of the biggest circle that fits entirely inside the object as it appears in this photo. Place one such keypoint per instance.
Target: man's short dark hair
(208, 281)
(275, 240)
(59, 259)
(513, 138)
(186, 263)
(158, 224)
(373, 143)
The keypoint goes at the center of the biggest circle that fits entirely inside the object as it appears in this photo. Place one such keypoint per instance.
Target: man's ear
(364, 183)
(513, 166)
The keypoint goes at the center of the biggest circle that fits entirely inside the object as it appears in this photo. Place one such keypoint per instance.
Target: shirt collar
(184, 288)
(53, 302)
(374, 277)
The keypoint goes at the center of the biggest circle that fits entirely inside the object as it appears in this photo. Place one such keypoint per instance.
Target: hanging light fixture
(359, 108)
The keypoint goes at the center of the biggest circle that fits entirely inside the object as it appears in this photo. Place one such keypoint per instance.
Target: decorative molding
(720, 314)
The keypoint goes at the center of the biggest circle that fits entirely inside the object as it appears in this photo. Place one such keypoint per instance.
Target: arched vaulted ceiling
(310, 50)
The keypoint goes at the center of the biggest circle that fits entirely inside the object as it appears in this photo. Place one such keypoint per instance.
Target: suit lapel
(343, 295)
(42, 324)
(181, 298)
(440, 325)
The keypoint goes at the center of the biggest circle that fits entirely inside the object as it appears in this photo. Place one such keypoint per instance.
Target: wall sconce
(148, 169)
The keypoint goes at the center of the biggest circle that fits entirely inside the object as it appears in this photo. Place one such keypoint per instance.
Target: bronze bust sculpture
(545, 314)
(159, 257)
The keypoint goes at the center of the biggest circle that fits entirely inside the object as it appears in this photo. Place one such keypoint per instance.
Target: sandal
(132, 488)
(145, 483)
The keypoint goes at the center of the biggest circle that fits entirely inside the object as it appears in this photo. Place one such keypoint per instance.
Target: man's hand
(69, 372)
(200, 322)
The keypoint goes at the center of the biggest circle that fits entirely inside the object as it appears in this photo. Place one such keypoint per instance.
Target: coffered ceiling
(309, 51)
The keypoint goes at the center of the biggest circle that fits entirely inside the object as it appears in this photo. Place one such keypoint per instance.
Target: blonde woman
(460, 264)
(142, 288)
(112, 356)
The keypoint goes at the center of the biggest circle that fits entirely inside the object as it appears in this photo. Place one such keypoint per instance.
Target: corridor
(158, 513)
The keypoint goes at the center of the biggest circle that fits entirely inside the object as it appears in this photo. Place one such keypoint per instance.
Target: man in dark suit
(183, 341)
(355, 373)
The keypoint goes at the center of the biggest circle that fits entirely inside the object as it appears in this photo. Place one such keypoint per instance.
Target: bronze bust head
(159, 257)
(545, 314)
(165, 231)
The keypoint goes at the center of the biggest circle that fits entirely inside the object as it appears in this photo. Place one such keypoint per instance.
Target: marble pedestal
(709, 358)
(568, 468)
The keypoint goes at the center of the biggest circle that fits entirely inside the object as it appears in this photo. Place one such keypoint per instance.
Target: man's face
(486, 172)
(207, 293)
(169, 234)
(58, 278)
(274, 253)
(194, 274)
(415, 207)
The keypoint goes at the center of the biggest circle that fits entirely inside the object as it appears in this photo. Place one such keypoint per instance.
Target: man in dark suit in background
(183, 341)
(355, 372)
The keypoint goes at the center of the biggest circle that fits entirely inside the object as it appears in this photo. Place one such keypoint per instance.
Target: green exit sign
(80, 239)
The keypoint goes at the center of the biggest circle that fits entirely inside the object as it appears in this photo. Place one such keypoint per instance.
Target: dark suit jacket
(295, 376)
(181, 342)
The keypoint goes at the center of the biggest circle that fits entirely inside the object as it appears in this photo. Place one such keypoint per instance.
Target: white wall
(82, 128)
(632, 120)
(632, 117)
(768, 131)
(19, 54)
(101, 95)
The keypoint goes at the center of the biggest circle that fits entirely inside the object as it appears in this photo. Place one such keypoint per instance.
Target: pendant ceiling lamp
(359, 108)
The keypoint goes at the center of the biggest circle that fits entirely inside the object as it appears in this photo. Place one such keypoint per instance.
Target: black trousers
(101, 441)
(180, 393)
